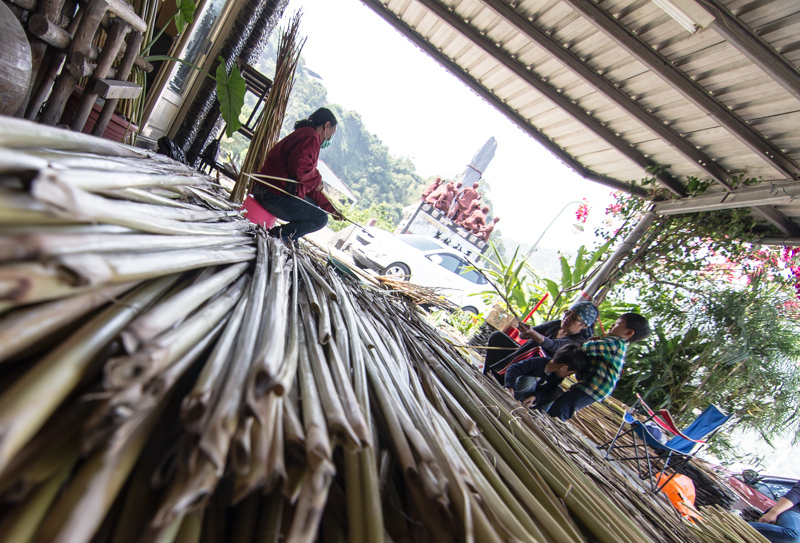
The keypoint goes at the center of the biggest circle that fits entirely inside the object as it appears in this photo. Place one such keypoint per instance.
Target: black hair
(318, 118)
(637, 323)
(573, 357)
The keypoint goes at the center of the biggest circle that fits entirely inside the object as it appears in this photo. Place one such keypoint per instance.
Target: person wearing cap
(543, 340)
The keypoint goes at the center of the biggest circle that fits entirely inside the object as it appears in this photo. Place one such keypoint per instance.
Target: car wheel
(397, 269)
(469, 309)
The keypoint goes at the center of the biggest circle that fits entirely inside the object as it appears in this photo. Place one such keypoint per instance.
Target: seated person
(536, 381)
(550, 336)
(781, 524)
(606, 358)
(294, 192)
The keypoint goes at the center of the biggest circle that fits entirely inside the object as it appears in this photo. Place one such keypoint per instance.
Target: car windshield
(473, 277)
(420, 242)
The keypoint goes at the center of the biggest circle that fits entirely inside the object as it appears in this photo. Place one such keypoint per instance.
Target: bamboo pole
(33, 398)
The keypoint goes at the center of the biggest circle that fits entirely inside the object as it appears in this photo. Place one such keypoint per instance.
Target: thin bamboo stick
(42, 246)
(24, 519)
(165, 350)
(268, 127)
(273, 353)
(311, 502)
(98, 269)
(67, 201)
(338, 424)
(32, 399)
(24, 328)
(165, 314)
(207, 388)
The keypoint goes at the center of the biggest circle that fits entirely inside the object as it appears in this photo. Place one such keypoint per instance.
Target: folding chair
(678, 450)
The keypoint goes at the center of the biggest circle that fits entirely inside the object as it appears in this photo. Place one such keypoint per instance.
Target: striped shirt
(606, 358)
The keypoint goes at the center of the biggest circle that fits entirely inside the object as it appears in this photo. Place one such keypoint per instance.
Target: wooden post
(30, 5)
(123, 71)
(42, 89)
(80, 43)
(50, 10)
(107, 57)
(48, 32)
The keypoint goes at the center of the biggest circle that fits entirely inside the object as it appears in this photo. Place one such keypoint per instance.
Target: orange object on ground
(680, 491)
(257, 214)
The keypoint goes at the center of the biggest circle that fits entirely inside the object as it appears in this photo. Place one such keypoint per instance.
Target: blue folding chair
(675, 453)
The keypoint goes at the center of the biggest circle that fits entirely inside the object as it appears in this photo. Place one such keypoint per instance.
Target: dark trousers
(568, 403)
(302, 216)
(493, 356)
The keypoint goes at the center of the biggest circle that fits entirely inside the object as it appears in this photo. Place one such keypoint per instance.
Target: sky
(420, 111)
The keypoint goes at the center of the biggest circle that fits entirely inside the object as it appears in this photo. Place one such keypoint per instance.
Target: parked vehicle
(760, 491)
(423, 260)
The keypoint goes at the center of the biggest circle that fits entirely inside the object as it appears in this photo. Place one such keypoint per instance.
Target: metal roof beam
(766, 196)
(613, 93)
(754, 47)
(498, 104)
(783, 242)
(627, 104)
(569, 106)
(691, 90)
(760, 200)
(778, 220)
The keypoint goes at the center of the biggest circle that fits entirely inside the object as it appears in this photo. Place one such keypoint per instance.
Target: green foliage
(515, 279)
(521, 285)
(464, 322)
(230, 92)
(230, 88)
(714, 246)
(382, 213)
(573, 277)
(716, 304)
(729, 346)
(184, 15)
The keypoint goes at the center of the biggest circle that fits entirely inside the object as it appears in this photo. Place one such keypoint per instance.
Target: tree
(721, 308)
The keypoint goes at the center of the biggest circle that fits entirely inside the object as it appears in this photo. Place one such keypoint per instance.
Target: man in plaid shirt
(606, 358)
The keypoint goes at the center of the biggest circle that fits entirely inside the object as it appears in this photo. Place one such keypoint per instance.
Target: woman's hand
(524, 330)
(529, 401)
(510, 391)
(769, 517)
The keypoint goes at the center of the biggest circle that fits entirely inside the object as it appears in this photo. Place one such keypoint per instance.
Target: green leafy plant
(464, 322)
(573, 277)
(515, 279)
(721, 310)
(731, 346)
(231, 87)
(383, 213)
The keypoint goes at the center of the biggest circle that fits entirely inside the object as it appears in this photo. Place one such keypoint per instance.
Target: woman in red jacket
(295, 157)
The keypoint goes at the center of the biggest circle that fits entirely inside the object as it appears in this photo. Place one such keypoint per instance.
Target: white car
(424, 261)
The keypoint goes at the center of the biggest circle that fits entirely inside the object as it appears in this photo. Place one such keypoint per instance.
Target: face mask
(327, 143)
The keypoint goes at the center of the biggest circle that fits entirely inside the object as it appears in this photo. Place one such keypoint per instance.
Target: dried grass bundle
(244, 392)
(268, 128)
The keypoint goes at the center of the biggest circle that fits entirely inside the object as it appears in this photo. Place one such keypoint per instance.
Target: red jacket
(295, 157)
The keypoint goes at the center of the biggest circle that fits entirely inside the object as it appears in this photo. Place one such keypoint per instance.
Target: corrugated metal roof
(617, 86)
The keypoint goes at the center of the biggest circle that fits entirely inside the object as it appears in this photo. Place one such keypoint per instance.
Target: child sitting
(536, 381)
(606, 358)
